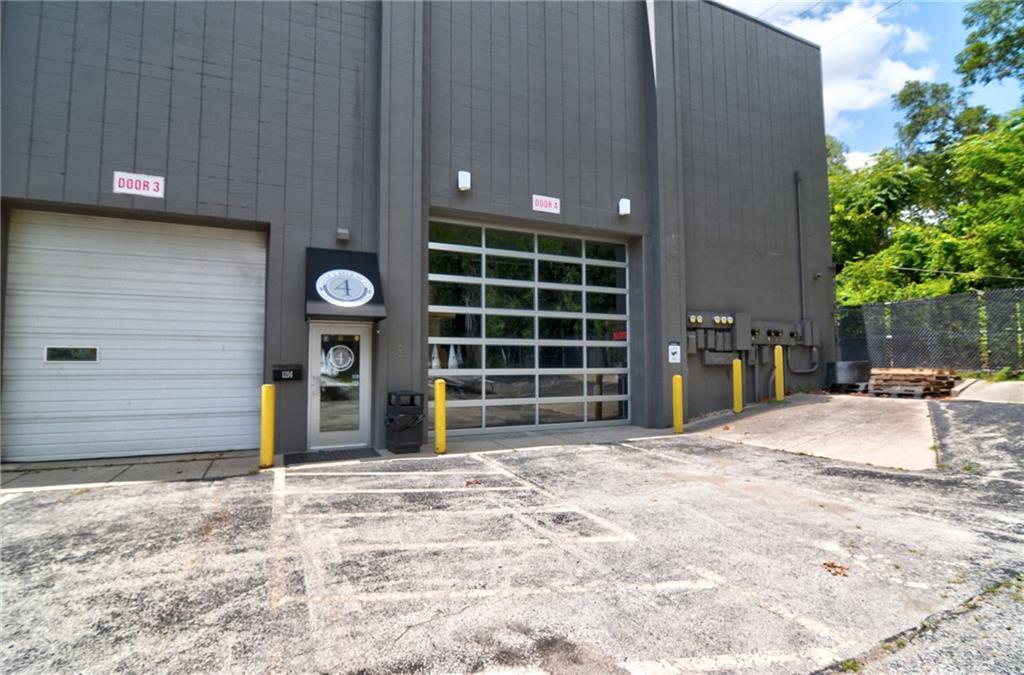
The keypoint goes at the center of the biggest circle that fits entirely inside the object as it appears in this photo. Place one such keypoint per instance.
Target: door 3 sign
(138, 184)
(675, 353)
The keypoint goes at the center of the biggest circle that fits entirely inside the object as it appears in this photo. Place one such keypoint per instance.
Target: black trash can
(404, 421)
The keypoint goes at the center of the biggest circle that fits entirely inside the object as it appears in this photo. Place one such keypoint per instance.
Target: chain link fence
(968, 331)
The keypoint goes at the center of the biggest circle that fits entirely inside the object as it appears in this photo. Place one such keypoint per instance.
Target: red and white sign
(547, 204)
(138, 184)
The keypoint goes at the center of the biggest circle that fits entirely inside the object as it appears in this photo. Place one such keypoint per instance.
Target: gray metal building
(360, 197)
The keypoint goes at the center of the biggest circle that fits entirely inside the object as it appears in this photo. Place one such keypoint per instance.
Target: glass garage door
(527, 329)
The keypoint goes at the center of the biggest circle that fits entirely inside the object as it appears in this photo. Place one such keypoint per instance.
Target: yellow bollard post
(267, 426)
(677, 403)
(440, 421)
(780, 386)
(737, 386)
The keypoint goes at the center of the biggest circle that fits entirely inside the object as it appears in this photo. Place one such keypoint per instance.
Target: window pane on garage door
(554, 316)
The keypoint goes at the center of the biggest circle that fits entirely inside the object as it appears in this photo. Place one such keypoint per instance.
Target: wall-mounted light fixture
(343, 234)
(624, 207)
(465, 181)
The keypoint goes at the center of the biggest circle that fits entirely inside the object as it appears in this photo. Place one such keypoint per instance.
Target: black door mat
(330, 456)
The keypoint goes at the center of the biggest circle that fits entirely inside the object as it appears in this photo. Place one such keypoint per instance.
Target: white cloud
(915, 41)
(862, 45)
(843, 125)
(857, 159)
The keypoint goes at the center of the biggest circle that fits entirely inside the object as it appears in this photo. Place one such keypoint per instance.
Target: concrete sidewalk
(522, 440)
(87, 473)
(894, 433)
(991, 392)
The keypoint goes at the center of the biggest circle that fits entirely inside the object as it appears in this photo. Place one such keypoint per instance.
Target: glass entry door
(340, 369)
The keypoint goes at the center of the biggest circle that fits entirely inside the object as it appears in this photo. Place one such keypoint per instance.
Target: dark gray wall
(552, 99)
(402, 338)
(541, 98)
(308, 117)
(257, 111)
(748, 113)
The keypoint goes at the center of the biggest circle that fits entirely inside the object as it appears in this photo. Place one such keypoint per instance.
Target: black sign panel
(343, 284)
(287, 373)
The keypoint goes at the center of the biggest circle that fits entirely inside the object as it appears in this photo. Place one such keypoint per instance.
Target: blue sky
(869, 49)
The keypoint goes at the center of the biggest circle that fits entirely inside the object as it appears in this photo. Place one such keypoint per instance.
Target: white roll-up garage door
(125, 337)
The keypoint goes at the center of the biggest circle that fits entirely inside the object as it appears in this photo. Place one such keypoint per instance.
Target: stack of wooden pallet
(911, 382)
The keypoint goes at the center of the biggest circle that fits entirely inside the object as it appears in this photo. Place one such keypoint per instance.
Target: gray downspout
(800, 245)
(797, 179)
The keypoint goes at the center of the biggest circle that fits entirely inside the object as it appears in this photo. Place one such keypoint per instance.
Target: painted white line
(815, 627)
(398, 474)
(440, 545)
(77, 486)
(277, 542)
(496, 543)
(391, 491)
(629, 536)
(650, 667)
(622, 534)
(726, 662)
(8, 497)
(378, 460)
(434, 513)
(737, 661)
(674, 458)
(677, 585)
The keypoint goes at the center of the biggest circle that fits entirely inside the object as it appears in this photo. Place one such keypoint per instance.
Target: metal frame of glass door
(360, 437)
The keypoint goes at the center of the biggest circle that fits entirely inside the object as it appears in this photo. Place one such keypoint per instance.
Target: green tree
(934, 116)
(908, 267)
(988, 173)
(979, 244)
(835, 154)
(867, 204)
(995, 43)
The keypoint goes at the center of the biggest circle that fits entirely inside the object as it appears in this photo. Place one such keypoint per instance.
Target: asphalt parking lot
(664, 555)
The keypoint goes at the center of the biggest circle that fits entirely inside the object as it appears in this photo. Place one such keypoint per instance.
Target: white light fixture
(624, 207)
(465, 181)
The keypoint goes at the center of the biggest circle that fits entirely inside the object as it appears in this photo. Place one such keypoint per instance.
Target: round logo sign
(340, 357)
(344, 288)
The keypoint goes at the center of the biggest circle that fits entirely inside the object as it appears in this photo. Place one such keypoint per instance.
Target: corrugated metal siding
(177, 312)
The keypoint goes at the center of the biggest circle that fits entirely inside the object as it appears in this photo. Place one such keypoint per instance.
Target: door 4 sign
(675, 353)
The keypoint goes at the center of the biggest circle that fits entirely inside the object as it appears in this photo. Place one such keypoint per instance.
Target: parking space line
(728, 661)
(816, 627)
(400, 474)
(77, 486)
(498, 510)
(390, 491)
(620, 532)
(673, 586)
(277, 540)
(441, 545)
